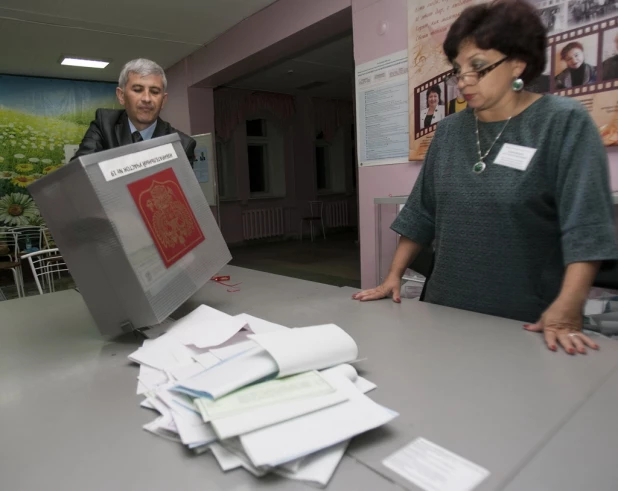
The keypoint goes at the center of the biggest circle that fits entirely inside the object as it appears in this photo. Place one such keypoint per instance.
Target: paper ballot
(282, 353)
(308, 348)
(290, 440)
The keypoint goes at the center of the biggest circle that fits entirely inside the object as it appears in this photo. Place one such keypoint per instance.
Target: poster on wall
(382, 110)
(581, 33)
(40, 118)
(204, 166)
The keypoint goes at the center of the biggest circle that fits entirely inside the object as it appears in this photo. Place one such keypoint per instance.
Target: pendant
(479, 167)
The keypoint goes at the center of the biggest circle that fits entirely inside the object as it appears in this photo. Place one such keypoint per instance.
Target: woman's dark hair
(512, 27)
(569, 47)
(437, 90)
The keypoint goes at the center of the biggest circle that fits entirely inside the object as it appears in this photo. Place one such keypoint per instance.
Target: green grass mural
(38, 117)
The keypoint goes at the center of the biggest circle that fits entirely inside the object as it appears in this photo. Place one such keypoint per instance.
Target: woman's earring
(517, 85)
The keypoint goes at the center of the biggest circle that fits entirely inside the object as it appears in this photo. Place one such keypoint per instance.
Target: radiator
(336, 214)
(262, 223)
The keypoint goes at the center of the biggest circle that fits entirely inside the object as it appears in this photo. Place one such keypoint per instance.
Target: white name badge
(515, 156)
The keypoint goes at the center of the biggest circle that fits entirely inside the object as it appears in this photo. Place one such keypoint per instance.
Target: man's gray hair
(143, 68)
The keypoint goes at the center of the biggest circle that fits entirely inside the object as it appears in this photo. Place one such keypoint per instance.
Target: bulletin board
(205, 168)
(572, 24)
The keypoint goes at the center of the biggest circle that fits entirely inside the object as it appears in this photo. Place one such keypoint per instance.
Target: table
(475, 384)
(584, 453)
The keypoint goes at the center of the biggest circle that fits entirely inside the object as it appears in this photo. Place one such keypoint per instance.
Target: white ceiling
(34, 34)
(331, 66)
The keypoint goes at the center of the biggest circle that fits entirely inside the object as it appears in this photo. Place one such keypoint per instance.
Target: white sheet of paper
(205, 327)
(296, 438)
(319, 467)
(162, 353)
(226, 459)
(192, 430)
(157, 427)
(150, 378)
(158, 330)
(308, 348)
(233, 350)
(515, 156)
(434, 468)
(260, 326)
(234, 447)
(207, 360)
(230, 375)
(595, 306)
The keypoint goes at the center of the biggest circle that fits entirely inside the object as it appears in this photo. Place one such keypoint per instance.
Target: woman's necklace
(480, 166)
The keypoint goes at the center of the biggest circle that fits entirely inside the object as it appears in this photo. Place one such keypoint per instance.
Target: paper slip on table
(476, 385)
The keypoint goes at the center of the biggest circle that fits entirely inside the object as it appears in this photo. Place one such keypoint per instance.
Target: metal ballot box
(135, 230)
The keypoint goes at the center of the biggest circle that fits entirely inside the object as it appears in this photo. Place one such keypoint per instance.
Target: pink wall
(398, 179)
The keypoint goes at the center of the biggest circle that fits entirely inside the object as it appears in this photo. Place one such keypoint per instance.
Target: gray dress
(503, 238)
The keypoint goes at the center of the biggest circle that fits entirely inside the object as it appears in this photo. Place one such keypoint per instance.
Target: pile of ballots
(257, 395)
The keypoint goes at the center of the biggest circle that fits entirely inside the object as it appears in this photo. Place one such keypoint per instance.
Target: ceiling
(34, 34)
(326, 71)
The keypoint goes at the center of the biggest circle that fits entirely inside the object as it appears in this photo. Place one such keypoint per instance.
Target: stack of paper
(256, 394)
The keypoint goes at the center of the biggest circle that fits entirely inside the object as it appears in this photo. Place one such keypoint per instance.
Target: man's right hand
(390, 288)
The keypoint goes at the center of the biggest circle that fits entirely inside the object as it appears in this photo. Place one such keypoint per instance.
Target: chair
(9, 249)
(43, 265)
(316, 209)
(30, 239)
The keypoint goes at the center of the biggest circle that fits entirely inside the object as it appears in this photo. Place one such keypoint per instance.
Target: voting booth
(135, 230)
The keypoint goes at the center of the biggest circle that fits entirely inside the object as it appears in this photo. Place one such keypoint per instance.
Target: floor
(334, 261)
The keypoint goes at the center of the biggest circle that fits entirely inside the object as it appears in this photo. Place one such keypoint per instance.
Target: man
(142, 91)
(610, 66)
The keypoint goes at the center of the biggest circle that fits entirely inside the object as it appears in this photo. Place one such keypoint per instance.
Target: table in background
(477, 385)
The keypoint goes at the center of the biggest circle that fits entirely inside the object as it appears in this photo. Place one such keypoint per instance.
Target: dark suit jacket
(110, 129)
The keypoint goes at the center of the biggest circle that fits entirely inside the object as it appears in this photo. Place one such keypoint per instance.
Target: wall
(279, 31)
(398, 179)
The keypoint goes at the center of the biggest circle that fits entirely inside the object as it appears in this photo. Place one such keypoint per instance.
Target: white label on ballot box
(434, 468)
(135, 162)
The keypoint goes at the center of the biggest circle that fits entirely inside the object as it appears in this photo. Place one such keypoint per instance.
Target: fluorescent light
(65, 60)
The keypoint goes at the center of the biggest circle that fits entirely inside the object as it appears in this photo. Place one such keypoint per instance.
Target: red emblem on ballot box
(167, 214)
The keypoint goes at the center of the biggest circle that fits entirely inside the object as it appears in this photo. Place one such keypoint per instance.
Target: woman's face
(492, 88)
(433, 99)
(574, 58)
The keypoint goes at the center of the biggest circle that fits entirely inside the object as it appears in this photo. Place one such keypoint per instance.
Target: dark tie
(136, 136)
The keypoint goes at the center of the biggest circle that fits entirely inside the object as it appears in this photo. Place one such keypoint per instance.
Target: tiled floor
(334, 261)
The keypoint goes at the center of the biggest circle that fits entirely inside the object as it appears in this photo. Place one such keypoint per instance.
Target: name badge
(515, 156)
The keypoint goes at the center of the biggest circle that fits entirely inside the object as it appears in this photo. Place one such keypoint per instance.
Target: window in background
(265, 150)
(330, 164)
(322, 164)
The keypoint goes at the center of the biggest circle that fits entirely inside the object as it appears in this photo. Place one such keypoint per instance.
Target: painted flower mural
(34, 132)
(18, 209)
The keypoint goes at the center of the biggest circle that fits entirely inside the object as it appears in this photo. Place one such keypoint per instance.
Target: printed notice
(128, 164)
(434, 468)
(382, 110)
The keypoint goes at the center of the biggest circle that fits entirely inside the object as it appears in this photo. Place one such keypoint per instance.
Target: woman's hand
(562, 323)
(390, 287)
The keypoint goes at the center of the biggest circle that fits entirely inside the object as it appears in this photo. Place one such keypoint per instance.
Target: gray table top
(584, 453)
(477, 385)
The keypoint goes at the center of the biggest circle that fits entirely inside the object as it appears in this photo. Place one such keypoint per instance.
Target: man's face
(143, 98)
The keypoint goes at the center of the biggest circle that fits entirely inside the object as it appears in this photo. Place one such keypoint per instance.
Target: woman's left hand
(562, 323)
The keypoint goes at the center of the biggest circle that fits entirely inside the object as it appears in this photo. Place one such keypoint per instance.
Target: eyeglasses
(473, 78)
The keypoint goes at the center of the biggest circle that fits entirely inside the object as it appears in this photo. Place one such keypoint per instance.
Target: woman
(457, 104)
(522, 235)
(577, 72)
(435, 109)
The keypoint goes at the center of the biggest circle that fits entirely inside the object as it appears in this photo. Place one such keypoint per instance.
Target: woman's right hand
(390, 288)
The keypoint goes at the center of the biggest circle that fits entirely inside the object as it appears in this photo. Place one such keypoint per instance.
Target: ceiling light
(82, 62)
